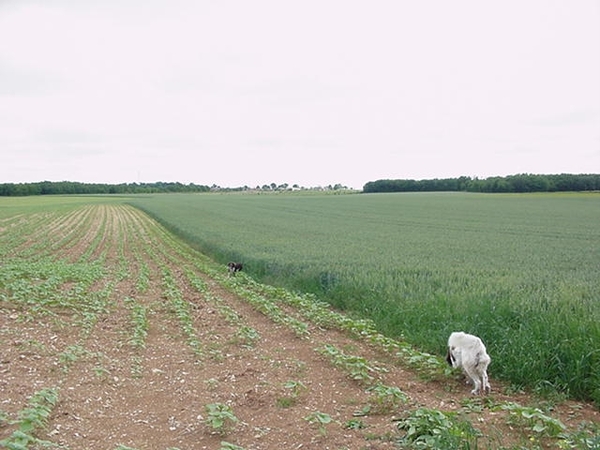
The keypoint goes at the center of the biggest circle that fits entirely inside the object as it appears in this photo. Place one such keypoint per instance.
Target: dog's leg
(473, 374)
(481, 366)
(486, 385)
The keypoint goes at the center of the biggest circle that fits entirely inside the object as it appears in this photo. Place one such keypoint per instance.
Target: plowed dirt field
(137, 335)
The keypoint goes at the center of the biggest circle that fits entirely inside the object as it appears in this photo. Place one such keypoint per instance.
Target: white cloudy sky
(313, 92)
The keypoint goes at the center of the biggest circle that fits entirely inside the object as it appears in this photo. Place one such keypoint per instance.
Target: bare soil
(154, 396)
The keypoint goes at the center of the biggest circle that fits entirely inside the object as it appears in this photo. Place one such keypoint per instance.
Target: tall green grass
(521, 271)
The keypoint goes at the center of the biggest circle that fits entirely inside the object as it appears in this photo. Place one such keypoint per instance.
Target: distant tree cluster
(71, 187)
(512, 183)
(284, 187)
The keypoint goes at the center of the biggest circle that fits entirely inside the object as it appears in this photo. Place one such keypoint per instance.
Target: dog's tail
(450, 357)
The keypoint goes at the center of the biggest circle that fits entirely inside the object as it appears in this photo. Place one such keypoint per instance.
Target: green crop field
(521, 271)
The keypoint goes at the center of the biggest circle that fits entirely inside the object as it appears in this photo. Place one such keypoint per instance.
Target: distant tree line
(512, 183)
(73, 187)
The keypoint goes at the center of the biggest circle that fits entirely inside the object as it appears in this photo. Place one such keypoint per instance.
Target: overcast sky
(311, 92)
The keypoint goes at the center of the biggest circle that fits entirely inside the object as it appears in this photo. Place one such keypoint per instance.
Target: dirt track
(203, 344)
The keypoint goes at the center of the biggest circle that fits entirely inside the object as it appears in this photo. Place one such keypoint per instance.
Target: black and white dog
(234, 267)
(468, 352)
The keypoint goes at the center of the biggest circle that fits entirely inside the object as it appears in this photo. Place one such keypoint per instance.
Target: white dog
(468, 352)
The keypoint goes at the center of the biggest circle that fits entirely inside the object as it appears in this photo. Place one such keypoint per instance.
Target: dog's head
(235, 267)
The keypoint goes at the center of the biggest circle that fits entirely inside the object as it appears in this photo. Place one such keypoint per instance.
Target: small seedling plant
(354, 424)
(247, 336)
(296, 388)
(321, 420)
(385, 399)
(220, 418)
